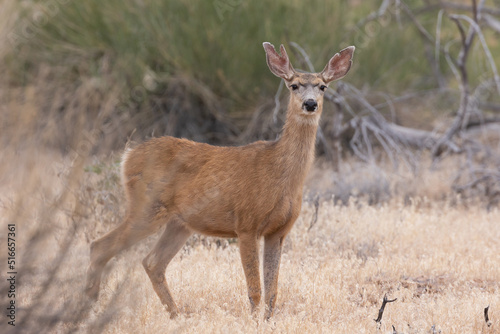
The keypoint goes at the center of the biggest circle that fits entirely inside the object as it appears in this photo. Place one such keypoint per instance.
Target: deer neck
(296, 146)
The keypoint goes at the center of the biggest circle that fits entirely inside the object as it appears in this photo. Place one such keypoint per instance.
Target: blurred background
(196, 68)
(417, 116)
(105, 73)
(110, 72)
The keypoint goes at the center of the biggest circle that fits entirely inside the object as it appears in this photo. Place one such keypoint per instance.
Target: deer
(246, 192)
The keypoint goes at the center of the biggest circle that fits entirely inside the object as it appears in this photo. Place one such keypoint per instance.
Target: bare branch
(486, 49)
(305, 56)
(450, 61)
(474, 10)
(492, 22)
(462, 113)
(489, 106)
(437, 48)
(321, 137)
(381, 311)
(457, 6)
(466, 103)
(420, 138)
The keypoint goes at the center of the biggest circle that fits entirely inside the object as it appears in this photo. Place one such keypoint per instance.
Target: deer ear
(339, 65)
(279, 65)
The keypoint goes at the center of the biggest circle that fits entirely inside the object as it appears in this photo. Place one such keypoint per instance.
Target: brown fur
(247, 192)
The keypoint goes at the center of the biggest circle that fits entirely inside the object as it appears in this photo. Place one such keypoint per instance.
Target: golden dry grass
(440, 261)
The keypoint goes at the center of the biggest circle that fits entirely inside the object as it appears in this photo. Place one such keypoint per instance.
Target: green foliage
(217, 44)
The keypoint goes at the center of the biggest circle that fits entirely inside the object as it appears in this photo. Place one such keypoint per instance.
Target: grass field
(439, 260)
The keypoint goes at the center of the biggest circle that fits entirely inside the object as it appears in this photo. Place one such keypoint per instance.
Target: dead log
(420, 139)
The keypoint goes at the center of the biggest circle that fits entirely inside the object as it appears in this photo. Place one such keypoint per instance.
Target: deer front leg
(272, 257)
(155, 263)
(249, 251)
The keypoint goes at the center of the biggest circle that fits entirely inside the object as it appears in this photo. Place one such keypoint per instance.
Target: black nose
(310, 105)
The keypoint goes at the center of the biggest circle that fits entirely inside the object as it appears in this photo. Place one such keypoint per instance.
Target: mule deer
(248, 192)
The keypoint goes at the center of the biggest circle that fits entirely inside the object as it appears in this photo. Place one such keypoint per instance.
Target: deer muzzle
(310, 105)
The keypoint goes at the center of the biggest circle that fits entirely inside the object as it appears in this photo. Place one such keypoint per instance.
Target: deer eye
(294, 87)
(322, 87)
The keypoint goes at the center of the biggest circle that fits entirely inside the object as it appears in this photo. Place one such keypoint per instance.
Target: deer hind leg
(272, 257)
(102, 250)
(249, 251)
(156, 262)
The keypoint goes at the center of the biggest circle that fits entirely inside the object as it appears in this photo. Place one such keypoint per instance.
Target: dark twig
(463, 110)
(486, 318)
(434, 331)
(381, 311)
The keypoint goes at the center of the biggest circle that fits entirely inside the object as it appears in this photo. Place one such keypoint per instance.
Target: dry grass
(439, 260)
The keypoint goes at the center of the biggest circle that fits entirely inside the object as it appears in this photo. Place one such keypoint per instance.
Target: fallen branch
(381, 311)
(480, 122)
(420, 138)
(489, 106)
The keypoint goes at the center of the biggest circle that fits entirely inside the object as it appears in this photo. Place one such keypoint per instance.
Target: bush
(187, 68)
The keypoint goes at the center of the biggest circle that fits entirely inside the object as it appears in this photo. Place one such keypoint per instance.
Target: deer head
(307, 89)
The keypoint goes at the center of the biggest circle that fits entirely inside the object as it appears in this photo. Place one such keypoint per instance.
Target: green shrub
(194, 58)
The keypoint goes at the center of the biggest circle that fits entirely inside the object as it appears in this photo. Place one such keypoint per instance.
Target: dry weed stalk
(486, 318)
(382, 308)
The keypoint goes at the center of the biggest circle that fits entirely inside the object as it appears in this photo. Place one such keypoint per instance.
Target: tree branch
(381, 311)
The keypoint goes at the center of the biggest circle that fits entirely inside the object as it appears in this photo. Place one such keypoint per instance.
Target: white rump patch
(125, 157)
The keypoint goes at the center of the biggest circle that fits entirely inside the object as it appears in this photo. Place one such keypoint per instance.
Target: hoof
(173, 312)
